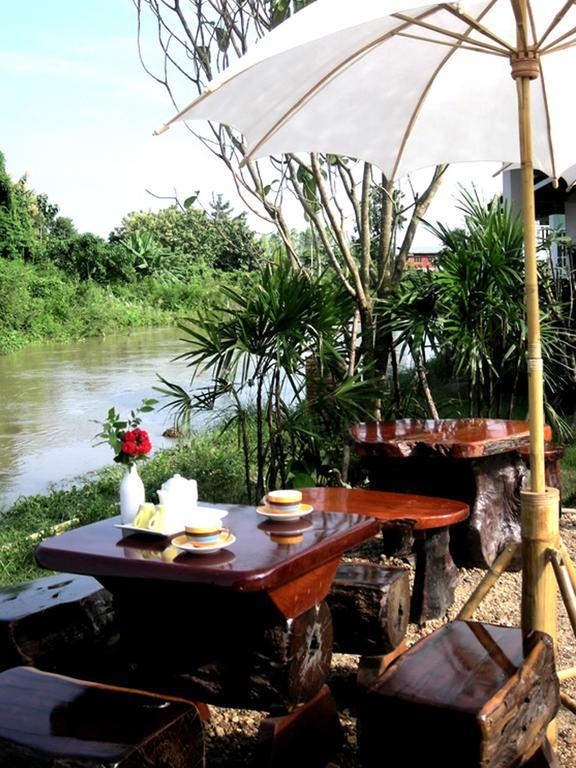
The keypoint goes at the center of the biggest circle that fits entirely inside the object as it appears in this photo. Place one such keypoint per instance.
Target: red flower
(136, 442)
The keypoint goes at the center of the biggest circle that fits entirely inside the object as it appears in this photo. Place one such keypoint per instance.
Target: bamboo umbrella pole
(539, 505)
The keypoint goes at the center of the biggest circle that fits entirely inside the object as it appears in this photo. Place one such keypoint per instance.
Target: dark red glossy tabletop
(420, 512)
(256, 561)
(453, 438)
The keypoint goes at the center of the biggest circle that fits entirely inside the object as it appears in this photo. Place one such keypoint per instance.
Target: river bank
(41, 303)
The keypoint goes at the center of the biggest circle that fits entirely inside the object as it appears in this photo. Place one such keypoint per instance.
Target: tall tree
(199, 38)
(18, 238)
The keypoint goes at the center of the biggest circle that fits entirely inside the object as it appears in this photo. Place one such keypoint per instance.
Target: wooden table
(473, 460)
(247, 626)
(429, 518)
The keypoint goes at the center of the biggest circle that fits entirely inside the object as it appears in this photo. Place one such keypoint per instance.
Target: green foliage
(17, 237)
(171, 242)
(89, 257)
(253, 342)
(39, 302)
(471, 309)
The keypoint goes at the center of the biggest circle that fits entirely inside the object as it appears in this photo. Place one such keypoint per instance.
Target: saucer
(295, 514)
(146, 531)
(183, 542)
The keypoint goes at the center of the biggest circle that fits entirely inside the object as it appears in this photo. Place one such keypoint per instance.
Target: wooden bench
(49, 621)
(429, 518)
(469, 695)
(50, 721)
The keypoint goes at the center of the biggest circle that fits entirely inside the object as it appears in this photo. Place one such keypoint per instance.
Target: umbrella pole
(539, 506)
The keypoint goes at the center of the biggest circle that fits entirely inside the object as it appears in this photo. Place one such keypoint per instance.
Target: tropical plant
(471, 310)
(254, 344)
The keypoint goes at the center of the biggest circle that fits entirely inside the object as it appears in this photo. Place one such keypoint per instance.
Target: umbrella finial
(162, 129)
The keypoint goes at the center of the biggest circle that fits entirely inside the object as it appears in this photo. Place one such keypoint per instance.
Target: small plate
(183, 542)
(145, 531)
(294, 514)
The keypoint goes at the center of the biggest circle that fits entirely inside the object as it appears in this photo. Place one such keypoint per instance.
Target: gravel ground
(231, 734)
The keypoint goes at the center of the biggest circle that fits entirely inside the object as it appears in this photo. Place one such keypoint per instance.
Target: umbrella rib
(548, 122)
(553, 46)
(520, 24)
(456, 35)
(451, 44)
(318, 86)
(557, 48)
(460, 14)
(427, 87)
(545, 99)
(555, 21)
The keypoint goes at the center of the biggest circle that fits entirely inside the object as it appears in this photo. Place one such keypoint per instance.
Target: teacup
(284, 500)
(204, 528)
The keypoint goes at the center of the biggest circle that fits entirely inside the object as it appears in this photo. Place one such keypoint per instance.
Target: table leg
(490, 485)
(495, 513)
(436, 576)
(310, 735)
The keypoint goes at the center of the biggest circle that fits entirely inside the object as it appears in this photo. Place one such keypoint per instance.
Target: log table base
(234, 650)
(370, 607)
(473, 460)
(48, 721)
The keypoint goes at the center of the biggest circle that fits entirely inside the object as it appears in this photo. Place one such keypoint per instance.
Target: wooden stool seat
(370, 607)
(54, 619)
(57, 722)
(469, 695)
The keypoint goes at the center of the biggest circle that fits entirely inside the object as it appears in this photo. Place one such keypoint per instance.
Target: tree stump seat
(370, 606)
(52, 620)
(469, 695)
(50, 721)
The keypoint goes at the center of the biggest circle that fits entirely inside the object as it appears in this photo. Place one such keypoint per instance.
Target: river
(50, 396)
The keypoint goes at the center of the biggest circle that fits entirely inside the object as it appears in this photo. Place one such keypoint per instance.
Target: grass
(211, 458)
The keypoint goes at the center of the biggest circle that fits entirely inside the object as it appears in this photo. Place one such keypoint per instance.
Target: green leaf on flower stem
(146, 409)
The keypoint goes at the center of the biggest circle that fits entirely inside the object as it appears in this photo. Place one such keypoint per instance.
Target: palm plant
(471, 310)
(253, 342)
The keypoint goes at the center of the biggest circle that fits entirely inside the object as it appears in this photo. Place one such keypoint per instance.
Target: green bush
(40, 302)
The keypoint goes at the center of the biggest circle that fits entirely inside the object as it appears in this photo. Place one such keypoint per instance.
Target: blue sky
(77, 112)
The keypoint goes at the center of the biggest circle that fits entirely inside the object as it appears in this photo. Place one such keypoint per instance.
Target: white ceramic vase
(132, 494)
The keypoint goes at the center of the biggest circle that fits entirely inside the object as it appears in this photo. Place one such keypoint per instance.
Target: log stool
(370, 607)
(553, 454)
(469, 695)
(58, 722)
(52, 620)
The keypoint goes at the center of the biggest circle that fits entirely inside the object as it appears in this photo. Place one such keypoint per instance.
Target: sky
(77, 114)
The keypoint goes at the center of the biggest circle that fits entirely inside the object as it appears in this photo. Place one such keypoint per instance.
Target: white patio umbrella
(406, 88)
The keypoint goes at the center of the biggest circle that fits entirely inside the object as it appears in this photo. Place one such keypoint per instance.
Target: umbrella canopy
(402, 88)
(406, 88)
